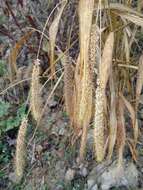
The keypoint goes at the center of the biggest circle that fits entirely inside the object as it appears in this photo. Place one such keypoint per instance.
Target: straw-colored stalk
(20, 150)
(36, 101)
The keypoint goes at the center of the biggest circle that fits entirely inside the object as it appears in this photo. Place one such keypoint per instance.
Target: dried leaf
(85, 101)
(132, 149)
(15, 51)
(106, 61)
(133, 117)
(52, 36)
(121, 133)
(113, 120)
(139, 82)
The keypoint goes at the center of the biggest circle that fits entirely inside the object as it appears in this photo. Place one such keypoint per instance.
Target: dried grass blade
(15, 51)
(113, 120)
(139, 82)
(133, 117)
(132, 149)
(106, 61)
(121, 133)
(137, 20)
(121, 8)
(85, 102)
(52, 36)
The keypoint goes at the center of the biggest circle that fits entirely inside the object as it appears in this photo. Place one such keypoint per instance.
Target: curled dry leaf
(52, 36)
(15, 51)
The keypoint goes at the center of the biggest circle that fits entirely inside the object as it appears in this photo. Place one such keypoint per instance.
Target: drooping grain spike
(103, 76)
(68, 85)
(35, 100)
(20, 150)
(99, 122)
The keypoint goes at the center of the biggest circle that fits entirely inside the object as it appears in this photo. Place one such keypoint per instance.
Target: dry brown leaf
(106, 61)
(139, 82)
(52, 36)
(85, 101)
(121, 133)
(113, 120)
(15, 51)
(132, 149)
(133, 117)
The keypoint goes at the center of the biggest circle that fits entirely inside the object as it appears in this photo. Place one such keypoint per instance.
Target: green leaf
(4, 106)
(2, 174)
(2, 68)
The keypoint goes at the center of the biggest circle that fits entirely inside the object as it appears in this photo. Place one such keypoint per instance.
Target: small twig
(128, 66)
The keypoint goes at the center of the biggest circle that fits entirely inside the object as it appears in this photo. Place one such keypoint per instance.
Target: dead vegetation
(97, 82)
